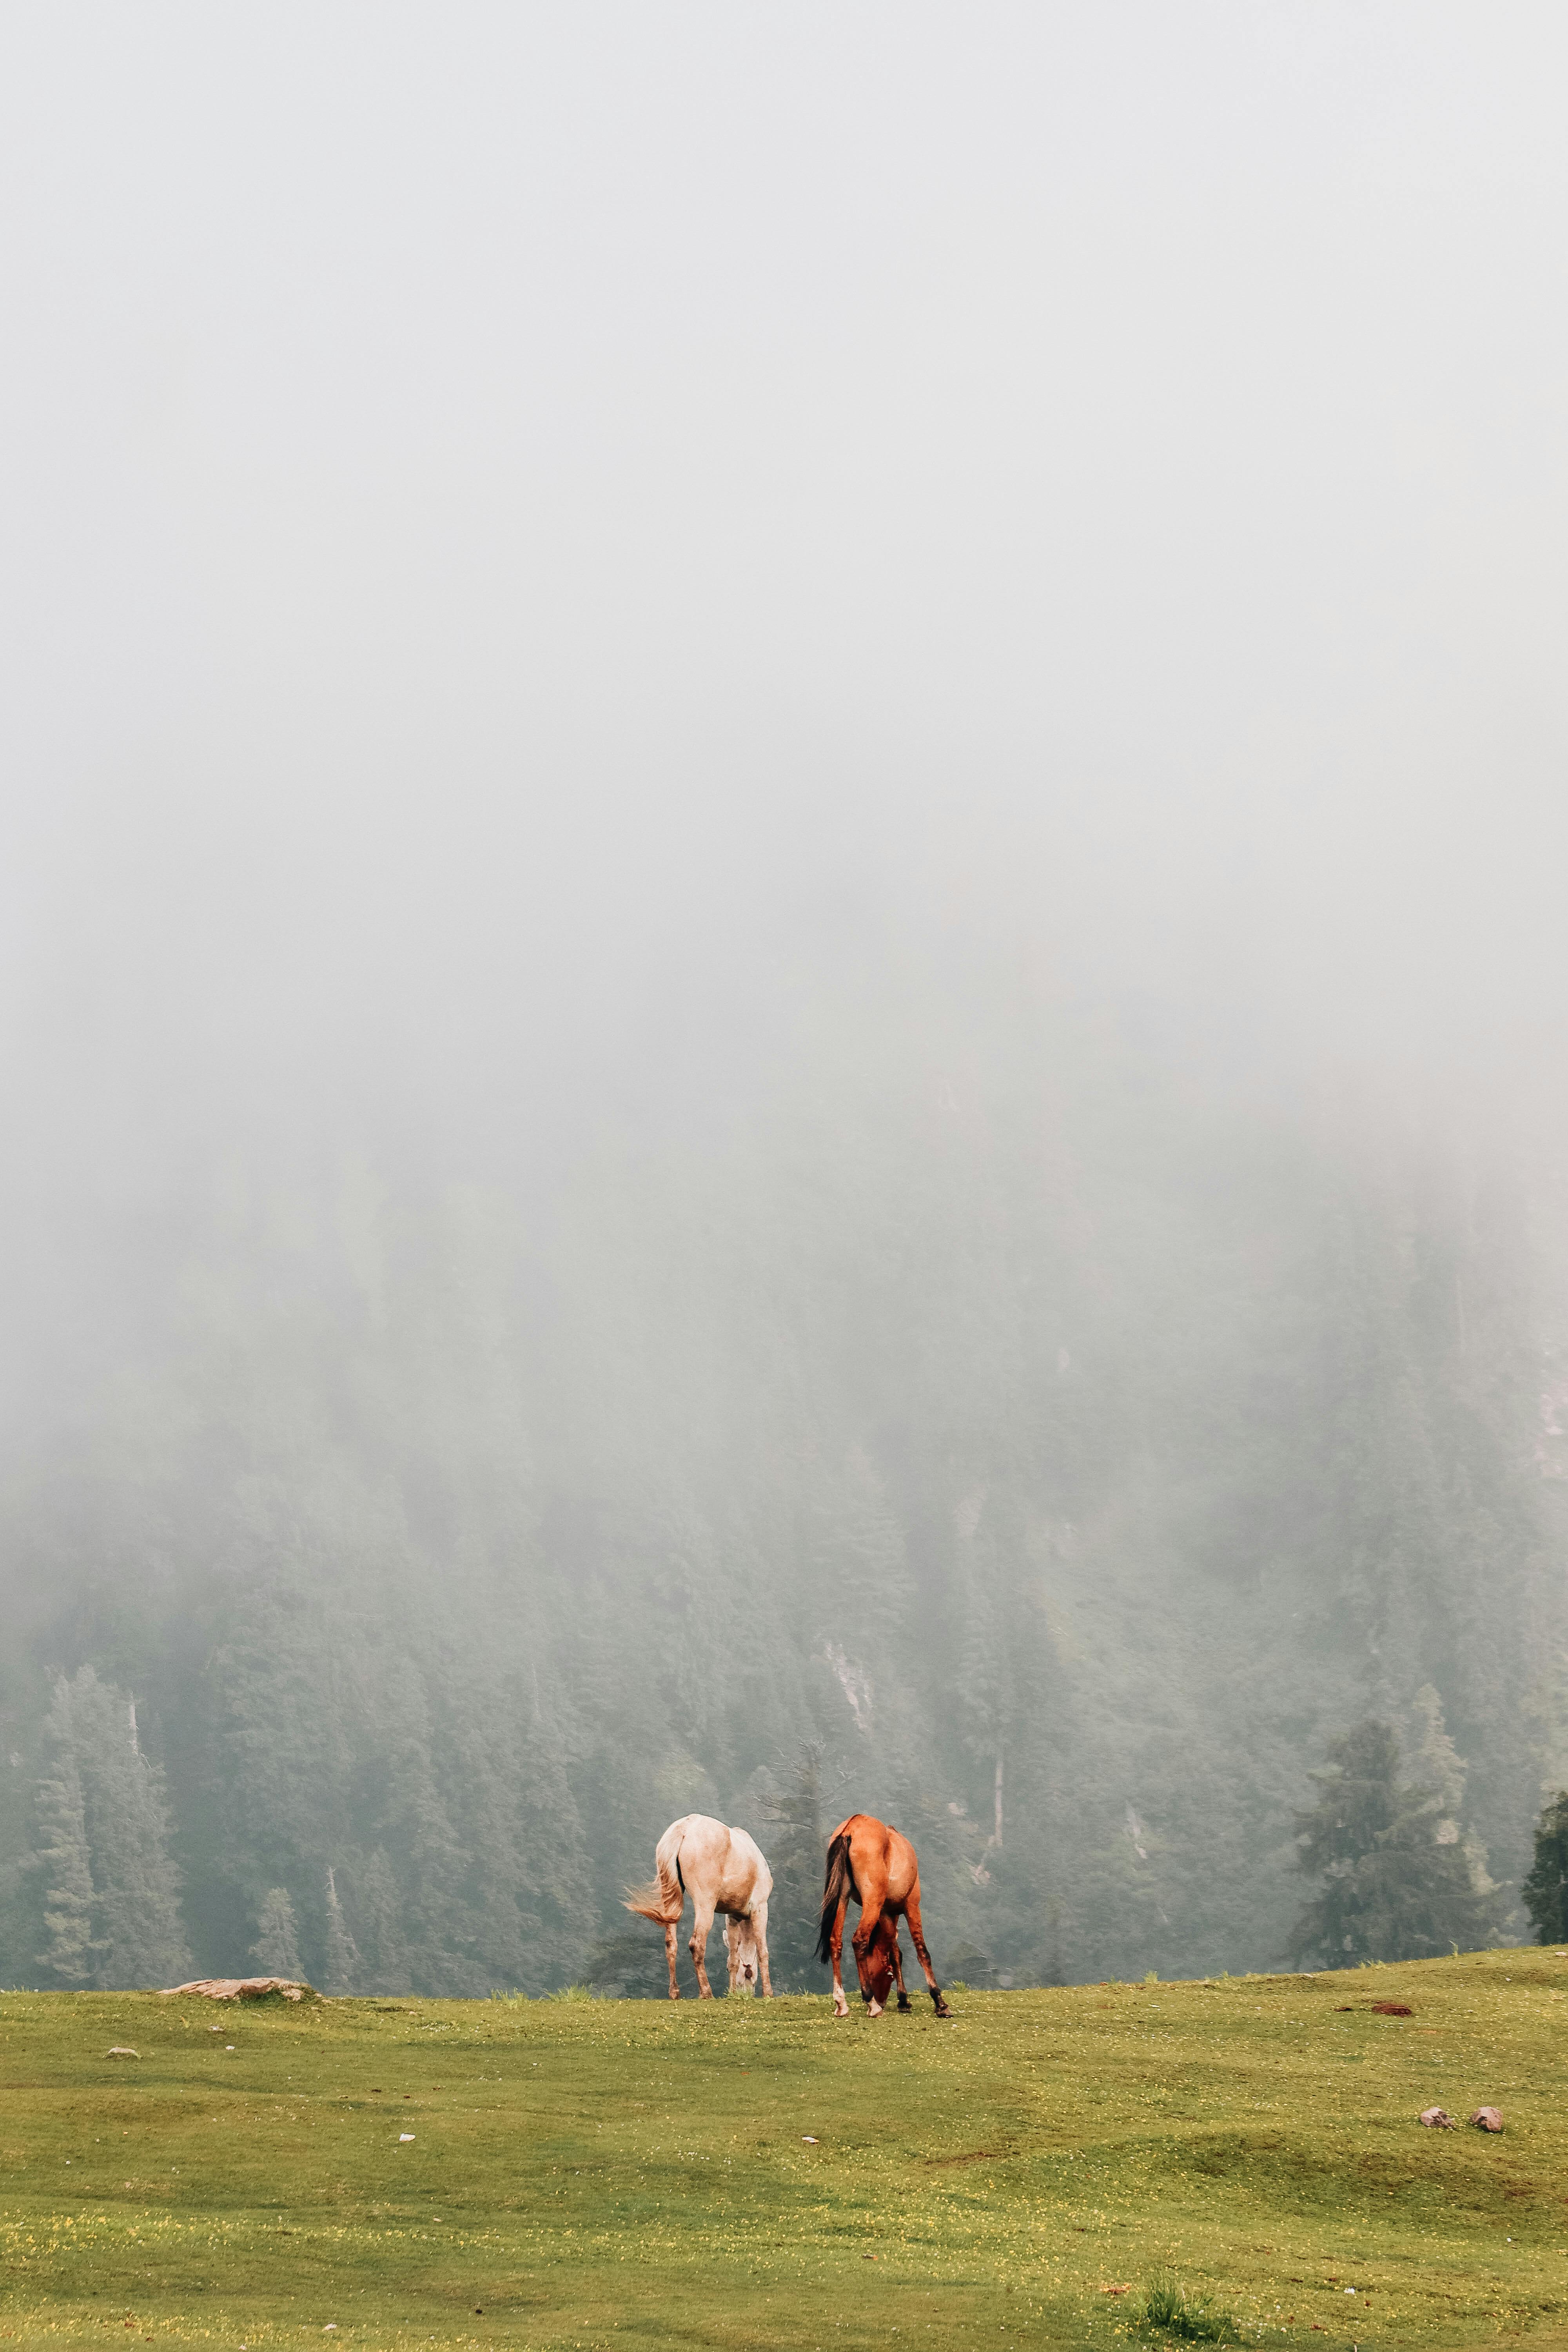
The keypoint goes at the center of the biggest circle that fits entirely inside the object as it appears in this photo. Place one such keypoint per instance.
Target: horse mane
(839, 1875)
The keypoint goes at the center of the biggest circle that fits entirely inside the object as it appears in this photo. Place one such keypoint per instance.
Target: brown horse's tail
(663, 1898)
(840, 1877)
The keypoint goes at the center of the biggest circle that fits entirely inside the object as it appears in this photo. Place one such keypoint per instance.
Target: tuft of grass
(1169, 2310)
(573, 1992)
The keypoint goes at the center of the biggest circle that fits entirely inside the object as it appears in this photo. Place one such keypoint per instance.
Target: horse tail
(840, 1877)
(663, 1898)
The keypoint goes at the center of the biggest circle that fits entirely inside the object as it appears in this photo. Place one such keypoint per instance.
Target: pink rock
(1487, 2119)
(1436, 2119)
(242, 1988)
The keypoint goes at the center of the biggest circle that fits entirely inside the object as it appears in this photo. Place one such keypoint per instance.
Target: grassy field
(585, 2174)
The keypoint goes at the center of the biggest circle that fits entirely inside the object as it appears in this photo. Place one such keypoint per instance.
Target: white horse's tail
(664, 1897)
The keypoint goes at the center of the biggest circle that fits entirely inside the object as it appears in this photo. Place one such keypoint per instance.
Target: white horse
(724, 1871)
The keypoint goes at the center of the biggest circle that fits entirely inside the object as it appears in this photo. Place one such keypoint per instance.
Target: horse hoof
(903, 2004)
(874, 2009)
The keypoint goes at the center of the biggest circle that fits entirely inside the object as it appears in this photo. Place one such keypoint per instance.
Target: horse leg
(699, 1926)
(835, 1953)
(760, 1929)
(899, 1971)
(671, 1942)
(912, 1913)
(871, 1912)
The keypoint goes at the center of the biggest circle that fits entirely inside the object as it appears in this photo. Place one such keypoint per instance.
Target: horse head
(744, 1968)
(877, 1978)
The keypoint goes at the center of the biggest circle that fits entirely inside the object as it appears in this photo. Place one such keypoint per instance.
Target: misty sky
(510, 510)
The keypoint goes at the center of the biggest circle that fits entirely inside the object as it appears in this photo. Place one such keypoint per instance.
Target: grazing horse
(725, 1871)
(877, 1865)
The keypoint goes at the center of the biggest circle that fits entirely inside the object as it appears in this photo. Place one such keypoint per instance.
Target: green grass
(1166, 2308)
(628, 2174)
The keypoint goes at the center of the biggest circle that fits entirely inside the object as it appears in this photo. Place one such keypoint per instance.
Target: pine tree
(342, 1958)
(63, 1853)
(1399, 1884)
(138, 1883)
(276, 1950)
(981, 1688)
(1438, 1762)
(104, 1830)
(378, 1907)
(1545, 1890)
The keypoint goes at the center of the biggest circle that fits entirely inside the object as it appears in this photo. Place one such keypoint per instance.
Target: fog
(612, 611)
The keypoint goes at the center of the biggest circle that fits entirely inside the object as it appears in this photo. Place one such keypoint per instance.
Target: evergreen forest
(973, 1410)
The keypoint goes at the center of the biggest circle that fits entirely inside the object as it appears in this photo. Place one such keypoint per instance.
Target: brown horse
(874, 1864)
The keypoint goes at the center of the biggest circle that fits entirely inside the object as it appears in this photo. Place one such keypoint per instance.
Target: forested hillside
(969, 1412)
